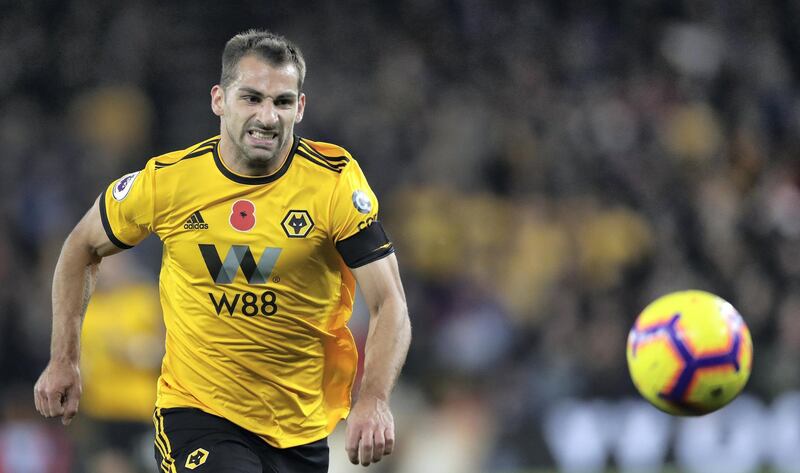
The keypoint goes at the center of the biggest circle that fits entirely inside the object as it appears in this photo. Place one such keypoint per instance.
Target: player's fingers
(37, 399)
(378, 445)
(54, 408)
(388, 446)
(46, 405)
(70, 406)
(365, 449)
(352, 437)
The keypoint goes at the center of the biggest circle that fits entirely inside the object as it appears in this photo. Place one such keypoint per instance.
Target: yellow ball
(689, 353)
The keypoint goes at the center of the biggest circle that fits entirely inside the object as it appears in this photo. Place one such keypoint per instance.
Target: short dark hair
(269, 46)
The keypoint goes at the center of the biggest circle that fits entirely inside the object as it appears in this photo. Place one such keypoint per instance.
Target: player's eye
(284, 103)
(251, 99)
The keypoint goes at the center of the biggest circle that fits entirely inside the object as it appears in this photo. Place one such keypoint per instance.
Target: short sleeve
(126, 208)
(358, 234)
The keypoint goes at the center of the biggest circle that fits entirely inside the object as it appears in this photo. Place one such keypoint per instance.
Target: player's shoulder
(328, 156)
(172, 158)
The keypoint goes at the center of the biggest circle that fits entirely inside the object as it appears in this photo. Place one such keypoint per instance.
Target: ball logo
(243, 215)
(361, 202)
(123, 186)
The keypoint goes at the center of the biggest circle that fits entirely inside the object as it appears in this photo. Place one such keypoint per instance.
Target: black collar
(256, 179)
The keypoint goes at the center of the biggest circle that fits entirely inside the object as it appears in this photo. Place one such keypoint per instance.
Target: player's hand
(370, 431)
(58, 391)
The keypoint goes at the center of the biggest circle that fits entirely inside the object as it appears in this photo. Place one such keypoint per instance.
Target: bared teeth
(262, 135)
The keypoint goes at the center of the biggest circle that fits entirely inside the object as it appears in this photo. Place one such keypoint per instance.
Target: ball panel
(706, 332)
(715, 386)
(655, 368)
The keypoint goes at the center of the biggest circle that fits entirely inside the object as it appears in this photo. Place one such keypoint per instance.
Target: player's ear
(301, 107)
(217, 100)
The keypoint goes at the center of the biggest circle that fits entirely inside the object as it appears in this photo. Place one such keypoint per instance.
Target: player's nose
(268, 114)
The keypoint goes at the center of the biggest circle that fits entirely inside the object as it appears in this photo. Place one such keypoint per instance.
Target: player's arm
(58, 389)
(370, 426)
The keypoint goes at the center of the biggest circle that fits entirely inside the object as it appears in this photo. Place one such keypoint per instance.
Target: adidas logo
(195, 222)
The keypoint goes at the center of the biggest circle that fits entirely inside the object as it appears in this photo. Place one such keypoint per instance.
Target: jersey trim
(253, 180)
(201, 150)
(366, 246)
(107, 226)
(333, 163)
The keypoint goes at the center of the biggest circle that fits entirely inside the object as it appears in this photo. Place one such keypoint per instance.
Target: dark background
(545, 168)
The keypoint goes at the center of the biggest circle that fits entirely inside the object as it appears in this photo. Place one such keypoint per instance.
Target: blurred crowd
(545, 168)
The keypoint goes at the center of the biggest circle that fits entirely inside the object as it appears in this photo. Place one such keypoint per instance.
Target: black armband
(368, 245)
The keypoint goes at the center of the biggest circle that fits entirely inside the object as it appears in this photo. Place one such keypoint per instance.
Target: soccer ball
(689, 353)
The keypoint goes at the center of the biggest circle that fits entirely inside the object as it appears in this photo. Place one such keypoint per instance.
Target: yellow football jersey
(255, 283)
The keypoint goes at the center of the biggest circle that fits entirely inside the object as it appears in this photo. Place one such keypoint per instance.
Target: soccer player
(265, 235)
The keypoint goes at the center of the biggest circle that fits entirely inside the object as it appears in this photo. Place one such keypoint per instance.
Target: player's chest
(258, 225)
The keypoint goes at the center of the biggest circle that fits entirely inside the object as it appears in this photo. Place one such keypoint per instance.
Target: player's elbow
(394, 304)
(395, 309)
(403, 321)
(78, 244)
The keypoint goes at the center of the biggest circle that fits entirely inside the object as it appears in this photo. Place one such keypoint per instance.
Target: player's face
(258, 111)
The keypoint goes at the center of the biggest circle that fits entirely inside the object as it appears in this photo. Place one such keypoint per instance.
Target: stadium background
(545, 168)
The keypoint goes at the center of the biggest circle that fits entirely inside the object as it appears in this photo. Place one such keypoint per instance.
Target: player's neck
(239, 164)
